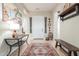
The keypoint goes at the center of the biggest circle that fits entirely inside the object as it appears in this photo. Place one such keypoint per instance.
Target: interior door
(38, 26)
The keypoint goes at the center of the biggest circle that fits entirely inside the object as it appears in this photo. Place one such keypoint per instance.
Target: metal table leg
(18, 48)
(9, 51)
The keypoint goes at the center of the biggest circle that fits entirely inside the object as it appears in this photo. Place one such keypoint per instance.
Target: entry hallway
(39, 29)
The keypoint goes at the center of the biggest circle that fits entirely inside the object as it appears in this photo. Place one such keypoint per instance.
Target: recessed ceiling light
(37, 9)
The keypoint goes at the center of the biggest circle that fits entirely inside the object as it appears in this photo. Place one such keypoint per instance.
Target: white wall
(41, 13)
(69, 29)
(56, 21)
(25, 24)
(56, 27)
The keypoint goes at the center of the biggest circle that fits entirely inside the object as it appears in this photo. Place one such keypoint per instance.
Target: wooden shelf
(69, 10)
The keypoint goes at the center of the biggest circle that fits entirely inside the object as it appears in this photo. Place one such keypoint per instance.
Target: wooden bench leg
(69, 54)
(56, 44)
(75, 53)
(60, 46)
(9, 51)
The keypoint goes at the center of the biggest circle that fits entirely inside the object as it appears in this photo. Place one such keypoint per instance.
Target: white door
(38, 26)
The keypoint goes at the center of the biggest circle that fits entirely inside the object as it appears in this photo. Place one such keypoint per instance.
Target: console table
(17, 42)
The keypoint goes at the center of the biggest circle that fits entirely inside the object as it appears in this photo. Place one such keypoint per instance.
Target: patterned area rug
(40, 49)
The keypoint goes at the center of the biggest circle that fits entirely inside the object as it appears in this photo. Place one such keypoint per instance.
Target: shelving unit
(71, 9)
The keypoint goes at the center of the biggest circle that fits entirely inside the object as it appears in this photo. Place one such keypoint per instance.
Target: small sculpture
(14, 34)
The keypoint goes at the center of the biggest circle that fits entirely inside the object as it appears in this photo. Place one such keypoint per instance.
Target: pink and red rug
(40, 49)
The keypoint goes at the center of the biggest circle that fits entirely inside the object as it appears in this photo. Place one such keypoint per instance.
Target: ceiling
(38, 7)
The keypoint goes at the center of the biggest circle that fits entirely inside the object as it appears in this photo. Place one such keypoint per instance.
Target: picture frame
(0, 12)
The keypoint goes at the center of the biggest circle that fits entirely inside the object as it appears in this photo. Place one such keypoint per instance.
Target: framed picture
(0, 11)
(11, 14)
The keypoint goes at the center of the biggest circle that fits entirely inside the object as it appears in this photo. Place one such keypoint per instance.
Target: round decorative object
(49, 24)
(49, 19)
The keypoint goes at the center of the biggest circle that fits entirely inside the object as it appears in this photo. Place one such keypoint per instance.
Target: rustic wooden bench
(68, 46)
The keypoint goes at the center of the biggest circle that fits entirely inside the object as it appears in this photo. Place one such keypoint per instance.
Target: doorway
(38, 26)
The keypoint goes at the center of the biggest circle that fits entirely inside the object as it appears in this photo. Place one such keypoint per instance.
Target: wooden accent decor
(5, 15)
(49, 24)
(67, 5)
(71, 9)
